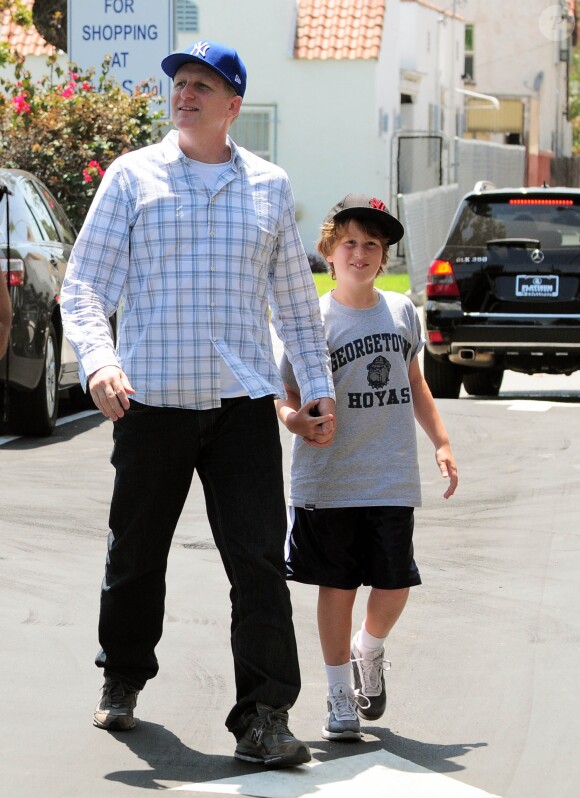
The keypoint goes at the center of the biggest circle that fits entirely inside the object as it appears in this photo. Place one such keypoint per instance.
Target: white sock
(369, 645)
(338, 674)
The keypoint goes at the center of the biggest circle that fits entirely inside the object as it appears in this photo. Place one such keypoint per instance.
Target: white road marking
(66, 420)
(76, 416)
(375, 775)
(531, 407)
(527, 405)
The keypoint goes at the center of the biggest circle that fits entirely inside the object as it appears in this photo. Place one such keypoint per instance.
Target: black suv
(504, 290)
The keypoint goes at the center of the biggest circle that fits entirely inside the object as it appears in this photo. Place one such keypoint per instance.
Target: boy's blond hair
(332, 231)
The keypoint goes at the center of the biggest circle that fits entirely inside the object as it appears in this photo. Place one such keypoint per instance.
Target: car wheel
(443, 378)
(487, 382)
(34, 412)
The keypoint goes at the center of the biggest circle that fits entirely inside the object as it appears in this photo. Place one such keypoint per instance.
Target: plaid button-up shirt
(195, 274)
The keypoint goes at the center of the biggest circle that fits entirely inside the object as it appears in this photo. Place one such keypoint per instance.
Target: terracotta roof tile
(26, 41)
(339, 29)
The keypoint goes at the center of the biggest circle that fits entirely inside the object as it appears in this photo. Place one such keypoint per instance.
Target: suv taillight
(16, 266)
(441, 280)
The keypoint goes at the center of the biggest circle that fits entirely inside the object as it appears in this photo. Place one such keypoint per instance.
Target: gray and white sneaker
(369, 680)
(115, 709)
(342, 722)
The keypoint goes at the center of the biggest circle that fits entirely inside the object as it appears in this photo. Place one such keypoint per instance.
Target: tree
(19, 11)
(21, 15)
(50, 20)
(49, 17)
(68, 127)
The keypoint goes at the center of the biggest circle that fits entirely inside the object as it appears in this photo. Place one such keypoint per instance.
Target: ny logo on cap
(200, 48)
(378, 204)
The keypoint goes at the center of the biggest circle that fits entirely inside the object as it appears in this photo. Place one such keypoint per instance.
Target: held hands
(314, 421)
(448, 468)
(109, 387)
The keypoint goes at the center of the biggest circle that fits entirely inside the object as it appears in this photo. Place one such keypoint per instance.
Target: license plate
(546, 285)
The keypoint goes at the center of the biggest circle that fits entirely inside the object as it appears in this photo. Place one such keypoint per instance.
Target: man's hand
(313, 421)
(316, 423)
(109, 387)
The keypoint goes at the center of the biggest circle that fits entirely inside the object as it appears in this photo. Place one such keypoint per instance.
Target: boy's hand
(448, 468)
(316, 428)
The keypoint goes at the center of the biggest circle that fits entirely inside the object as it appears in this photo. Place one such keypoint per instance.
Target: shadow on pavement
(432, 756)
(170, 760)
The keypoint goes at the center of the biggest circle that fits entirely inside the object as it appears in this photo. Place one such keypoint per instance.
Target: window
(39, 211)
(469, 69)
(186, 16)
(255, 129)
(551, 220)
(66, 230)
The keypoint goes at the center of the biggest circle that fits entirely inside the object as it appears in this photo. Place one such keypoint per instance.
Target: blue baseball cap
(223, 60)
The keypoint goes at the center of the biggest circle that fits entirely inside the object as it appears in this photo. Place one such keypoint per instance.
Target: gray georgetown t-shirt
(373, 457)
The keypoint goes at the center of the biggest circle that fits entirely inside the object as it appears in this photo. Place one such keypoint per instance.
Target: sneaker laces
(372, 670)
(116, 691)
(344, 703)
(275, 720)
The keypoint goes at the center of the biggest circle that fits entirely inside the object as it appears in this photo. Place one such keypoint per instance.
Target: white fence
(427, 215)
(502, 164)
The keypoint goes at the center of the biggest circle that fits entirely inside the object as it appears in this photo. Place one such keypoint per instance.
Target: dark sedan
(36, 240)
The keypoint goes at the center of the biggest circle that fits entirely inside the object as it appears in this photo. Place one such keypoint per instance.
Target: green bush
(68, 127)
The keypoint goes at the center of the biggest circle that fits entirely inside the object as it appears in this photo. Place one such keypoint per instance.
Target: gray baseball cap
(362, 206)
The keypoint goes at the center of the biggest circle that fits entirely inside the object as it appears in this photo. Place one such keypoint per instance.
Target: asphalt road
(483, 692)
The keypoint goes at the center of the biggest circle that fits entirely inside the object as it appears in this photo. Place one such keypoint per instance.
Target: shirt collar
(172, 152)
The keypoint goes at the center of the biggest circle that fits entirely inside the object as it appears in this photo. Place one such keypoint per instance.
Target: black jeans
(237, 453)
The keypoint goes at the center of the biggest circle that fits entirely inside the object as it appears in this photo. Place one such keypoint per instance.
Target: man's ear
(235, 106)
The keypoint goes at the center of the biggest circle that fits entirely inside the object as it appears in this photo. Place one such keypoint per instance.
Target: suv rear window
(554, 221)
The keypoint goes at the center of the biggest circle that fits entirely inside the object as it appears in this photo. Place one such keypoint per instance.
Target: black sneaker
(268, 741)
(115, 709)
(369, 680)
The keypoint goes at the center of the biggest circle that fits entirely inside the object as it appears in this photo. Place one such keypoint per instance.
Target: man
(197, 237)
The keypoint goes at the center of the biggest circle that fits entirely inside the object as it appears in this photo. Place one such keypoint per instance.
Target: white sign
(137, 34)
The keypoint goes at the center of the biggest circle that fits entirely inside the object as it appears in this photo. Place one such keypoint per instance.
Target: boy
(351, 505)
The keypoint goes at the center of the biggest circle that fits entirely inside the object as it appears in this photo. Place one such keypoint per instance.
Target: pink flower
(92, 170)
(68, 92)
(20, 104)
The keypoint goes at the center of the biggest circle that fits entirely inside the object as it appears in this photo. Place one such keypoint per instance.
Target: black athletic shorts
(345, 547)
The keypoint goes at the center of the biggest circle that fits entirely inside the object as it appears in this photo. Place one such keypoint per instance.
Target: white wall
(37, 66)
(432, 44)
(512, 45)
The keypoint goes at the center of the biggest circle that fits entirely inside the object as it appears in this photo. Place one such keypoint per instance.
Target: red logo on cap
(378, 204)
